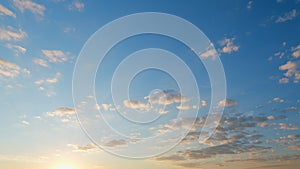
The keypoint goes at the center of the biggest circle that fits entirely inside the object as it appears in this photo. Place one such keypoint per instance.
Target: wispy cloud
(10, 33)
(287, 16)
(41, 62)
(6, 12)
(11, 70)
(33, 7)
(55, 55)
(86, 148)
(49, 80)
(249, 4)
(116, 143)
(76, 5)
(16, 48)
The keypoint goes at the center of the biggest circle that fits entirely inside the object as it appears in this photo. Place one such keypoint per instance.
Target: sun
(65, 167)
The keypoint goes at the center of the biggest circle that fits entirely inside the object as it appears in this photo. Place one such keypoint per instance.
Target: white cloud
(63, 111)
(287, 16)
(11, 34)
(6, 12)
(55, 55)
(9, 69)
(209, 53)
(203, 103)
(166, 97)
(296, 51)
(134, 104)
(277, 99)
(33, 7)
(49, 80)
(25, 122)
(228, 45)
(76, 5)
(228, 103)
(16, 48)
(41, 62)
(292, 71)
(87, 148)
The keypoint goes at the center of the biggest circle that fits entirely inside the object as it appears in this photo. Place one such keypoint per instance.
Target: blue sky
(258, 43)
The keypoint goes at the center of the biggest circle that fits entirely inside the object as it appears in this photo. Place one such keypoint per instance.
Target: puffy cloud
(287, 16)
(41, 62)
(134, 104)
(33, 7)
(76, 5)
(283, 80)
(277, 99)
(208, 53)
(63, 111)
(296, 51)
(6, 12)
(16, 48)
(229, 46)
(292, 70)
(55, 55)
(203, 103)
(116, 143)
(11, 34)
(228, 103)
(166, 97)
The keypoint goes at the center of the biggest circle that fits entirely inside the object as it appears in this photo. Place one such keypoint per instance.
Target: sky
(61, 108)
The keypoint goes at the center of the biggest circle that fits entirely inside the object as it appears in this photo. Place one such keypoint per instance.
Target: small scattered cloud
(55, 55)
(16, 48)
(210, 53)
(116, 143)
(62, 111)
(33, 7)
(69, 29)
(287, 16)
(77, 5)
(296, 51)
(11, 70)
(203, 103)
(183, 107)
(40, 62)
(249, 4)
(25, 122)
(292, 69)
(228, 103)
(166, 97)
(49, 80)
(6, 12)
(277, 99)
(134, 104)
(87, 148)
(228, 45)
(284, 126)
(10, 33)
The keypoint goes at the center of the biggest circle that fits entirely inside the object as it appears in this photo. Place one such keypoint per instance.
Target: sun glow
(65, 167)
